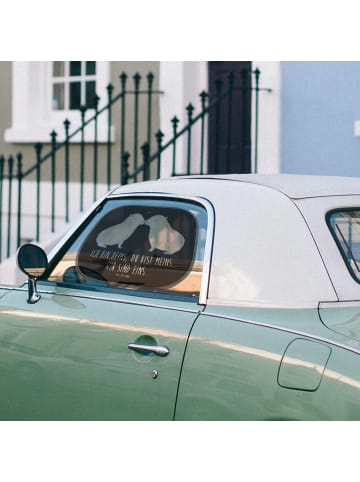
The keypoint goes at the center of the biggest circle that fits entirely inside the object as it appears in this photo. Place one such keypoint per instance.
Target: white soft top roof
(284, 217)
(296, 186)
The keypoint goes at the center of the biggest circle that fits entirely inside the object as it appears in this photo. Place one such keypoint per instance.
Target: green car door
(68, 358)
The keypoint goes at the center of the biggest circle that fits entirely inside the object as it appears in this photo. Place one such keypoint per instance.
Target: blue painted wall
(319, 106)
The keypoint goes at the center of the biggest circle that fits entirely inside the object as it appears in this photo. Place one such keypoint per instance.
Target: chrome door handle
(155, 349)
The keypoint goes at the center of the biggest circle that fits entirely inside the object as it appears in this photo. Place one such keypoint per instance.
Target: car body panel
(67, 357)
(343, 318)
(252, 370)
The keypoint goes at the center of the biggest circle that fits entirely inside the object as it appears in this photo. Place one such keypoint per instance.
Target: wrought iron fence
(143, 167)
(224, 93)
(69, 152)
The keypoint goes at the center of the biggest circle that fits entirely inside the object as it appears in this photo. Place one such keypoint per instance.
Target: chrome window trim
(205, 203)
(114, 300)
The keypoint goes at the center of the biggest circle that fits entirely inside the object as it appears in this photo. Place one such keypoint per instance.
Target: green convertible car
(197, 298)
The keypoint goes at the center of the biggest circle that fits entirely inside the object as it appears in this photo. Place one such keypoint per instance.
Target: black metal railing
(224, 93)
(144, 161)
(74, 151)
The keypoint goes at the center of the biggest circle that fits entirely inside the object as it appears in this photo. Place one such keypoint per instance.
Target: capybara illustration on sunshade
(119, 233)
(162, 236)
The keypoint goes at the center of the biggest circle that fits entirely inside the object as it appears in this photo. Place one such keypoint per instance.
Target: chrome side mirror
(32, 261)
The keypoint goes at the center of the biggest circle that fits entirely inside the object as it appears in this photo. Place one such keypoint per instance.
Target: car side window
(154, 245)
(344, 225)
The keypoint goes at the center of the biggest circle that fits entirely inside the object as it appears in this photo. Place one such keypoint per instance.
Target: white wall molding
(182, 83)
(269, 126)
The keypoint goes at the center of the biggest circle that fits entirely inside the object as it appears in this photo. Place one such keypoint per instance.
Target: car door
(68, 356)
(107, 338)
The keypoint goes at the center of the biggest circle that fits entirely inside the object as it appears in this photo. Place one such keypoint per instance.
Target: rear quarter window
(344, 225)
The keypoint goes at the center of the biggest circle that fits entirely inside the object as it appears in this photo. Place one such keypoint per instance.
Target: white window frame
(33, 118)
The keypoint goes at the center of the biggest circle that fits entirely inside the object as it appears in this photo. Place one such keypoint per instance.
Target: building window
(73, 85)
(47, 93)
